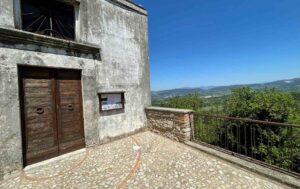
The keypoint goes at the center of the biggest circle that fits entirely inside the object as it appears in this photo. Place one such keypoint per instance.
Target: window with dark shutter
(49, 17)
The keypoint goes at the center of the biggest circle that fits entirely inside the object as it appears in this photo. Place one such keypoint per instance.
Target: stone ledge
(130, 5)
(135, 4)
(22, 40)
(175, 124)
(172, 110)
(259, 169)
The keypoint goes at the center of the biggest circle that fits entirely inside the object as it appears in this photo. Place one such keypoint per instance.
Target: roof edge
(130, 5)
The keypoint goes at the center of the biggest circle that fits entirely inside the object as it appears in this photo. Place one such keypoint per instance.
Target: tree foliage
(273, 144)
(192, 101)
(266, 105)
(276, 145)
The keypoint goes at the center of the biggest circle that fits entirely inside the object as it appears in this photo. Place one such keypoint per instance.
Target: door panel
(70, 110)
(39, 115)
(52, 112)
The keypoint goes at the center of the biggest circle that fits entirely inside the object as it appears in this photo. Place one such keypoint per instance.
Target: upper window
(48, 17)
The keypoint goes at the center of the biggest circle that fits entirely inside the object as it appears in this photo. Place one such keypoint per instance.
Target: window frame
(112, 93)
(17, 4)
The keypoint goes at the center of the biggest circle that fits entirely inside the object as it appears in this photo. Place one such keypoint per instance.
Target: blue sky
(222, 42)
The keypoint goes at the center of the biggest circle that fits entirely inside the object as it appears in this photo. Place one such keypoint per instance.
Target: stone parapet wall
(176, 124)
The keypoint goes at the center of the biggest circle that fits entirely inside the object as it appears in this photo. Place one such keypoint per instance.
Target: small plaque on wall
(112, 101)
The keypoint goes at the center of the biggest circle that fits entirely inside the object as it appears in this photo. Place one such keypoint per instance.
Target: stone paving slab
(168, 164)
(157, 163)
(104, 167)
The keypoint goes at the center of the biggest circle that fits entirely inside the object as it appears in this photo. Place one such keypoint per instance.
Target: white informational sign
(111, 101)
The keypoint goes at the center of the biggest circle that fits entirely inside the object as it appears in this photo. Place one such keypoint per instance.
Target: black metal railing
(271, 143)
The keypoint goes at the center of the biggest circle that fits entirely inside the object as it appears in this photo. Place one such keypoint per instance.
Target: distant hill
(291, 85)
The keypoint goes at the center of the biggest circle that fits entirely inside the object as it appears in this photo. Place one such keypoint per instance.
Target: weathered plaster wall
(122, 37)
(6, 13)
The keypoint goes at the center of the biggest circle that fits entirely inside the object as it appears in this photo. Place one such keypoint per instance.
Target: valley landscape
(228, 117)
(216, 95)
(288, 85)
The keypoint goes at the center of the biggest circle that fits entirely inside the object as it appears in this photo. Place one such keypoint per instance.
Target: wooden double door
(52, 114)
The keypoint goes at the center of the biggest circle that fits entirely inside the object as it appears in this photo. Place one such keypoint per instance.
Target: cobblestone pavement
(156, 163)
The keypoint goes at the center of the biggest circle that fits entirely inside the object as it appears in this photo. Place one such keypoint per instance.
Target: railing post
(291, 146)
(192, 125)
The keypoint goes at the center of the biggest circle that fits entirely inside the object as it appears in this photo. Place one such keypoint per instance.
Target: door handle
(70, 107)
(40, 110)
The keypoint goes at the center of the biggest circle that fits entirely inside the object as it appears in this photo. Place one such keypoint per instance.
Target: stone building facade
(107, 45)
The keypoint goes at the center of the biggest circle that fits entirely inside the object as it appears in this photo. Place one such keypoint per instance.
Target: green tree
(191, 101)
(265, 105)
(276, 145)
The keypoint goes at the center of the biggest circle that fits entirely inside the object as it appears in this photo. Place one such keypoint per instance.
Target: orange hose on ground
(134, 169)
